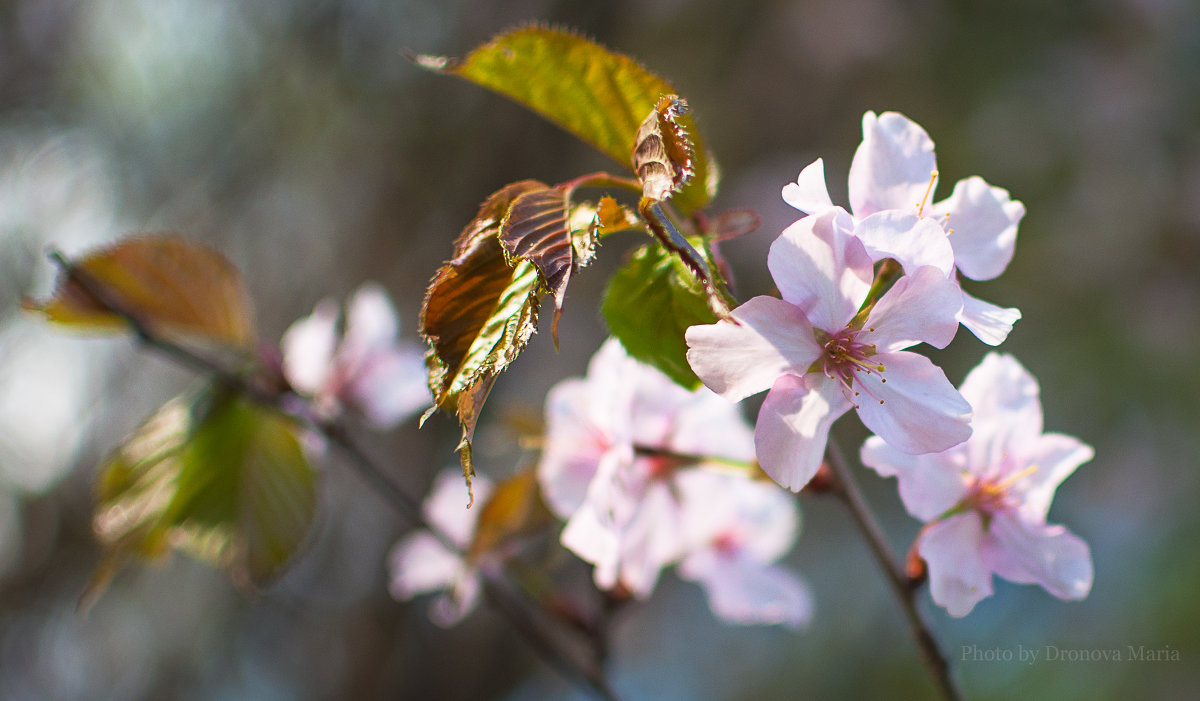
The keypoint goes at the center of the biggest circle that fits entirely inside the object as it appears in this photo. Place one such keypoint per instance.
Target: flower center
(991, 495)
(844, 358)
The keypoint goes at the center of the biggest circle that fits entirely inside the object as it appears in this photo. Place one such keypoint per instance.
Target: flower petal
(446, 505)
(989, 323)
(809, 193)
(370, 323)
(892, 166)
(958, 576)
(577, 442)
(1007, 421)
(916, 410)
(710, 426)
(793, 427)
(819, 266)
(452, 606)
(983, 221)
(420, 563)
(918, 308)
(747, 592)
(906, 238)
(929, 485)
(732, 511)
(391, 385)
(308, 346)
(1035, 553)
(631, 540)
(1056, 457)
(763, 339)
(594, 542)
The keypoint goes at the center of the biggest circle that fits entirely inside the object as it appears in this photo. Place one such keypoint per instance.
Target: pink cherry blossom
(738, 529)
(422, 563)
(613, 442)
(891, 187)
(818, 362)
(369, 371)
(986, 500)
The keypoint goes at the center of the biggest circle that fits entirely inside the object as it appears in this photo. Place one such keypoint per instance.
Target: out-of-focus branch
(516, 608)
(846, 489)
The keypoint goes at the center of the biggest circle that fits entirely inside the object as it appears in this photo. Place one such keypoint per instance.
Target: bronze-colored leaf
(464, 293)
(482, 306)
(170, 284)
(480, 310)
(536, 229)
(514, 509)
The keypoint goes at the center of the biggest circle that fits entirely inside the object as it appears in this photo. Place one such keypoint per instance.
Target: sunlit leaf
(172, 285)
(480, 311)
(212, 475)
(482, 306)
(513, 509)
(536, 229)
(597, 95)
(650, 303)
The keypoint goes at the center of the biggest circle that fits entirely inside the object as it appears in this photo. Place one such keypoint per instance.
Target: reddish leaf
(482, 306)
(536, 229)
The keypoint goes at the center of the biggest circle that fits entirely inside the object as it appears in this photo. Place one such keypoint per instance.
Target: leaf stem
(846, 489)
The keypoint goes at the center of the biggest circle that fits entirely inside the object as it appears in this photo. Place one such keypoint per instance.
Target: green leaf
(215, 476)
(599, 96)
(650, 302)
(172, 285)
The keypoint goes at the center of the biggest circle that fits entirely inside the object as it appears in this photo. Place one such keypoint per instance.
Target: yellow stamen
(1017, 477)
(928, 190)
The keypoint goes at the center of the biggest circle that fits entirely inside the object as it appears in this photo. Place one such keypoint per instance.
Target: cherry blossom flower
(739, 528)
(819, 361)
(370, 371)
(986, 500)
(613, 442)
(422, 563)
(892, 179)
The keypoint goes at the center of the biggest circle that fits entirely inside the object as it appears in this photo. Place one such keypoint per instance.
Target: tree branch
(846, 489)
(513, 607)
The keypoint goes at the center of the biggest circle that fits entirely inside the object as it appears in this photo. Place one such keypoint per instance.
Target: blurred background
(295, 138)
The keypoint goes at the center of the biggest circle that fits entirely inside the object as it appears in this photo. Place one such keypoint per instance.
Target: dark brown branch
(846, 489)
(514, 607)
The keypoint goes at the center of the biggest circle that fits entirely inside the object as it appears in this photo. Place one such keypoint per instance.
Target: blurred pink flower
(891, 186)
(986, 500)
(818, 363)
(619, 467)
(738, 528)
(370, 371)
(422, 563)
(597, 471)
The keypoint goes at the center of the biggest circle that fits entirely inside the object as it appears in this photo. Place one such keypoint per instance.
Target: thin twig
(514, 607)
(847, 490)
